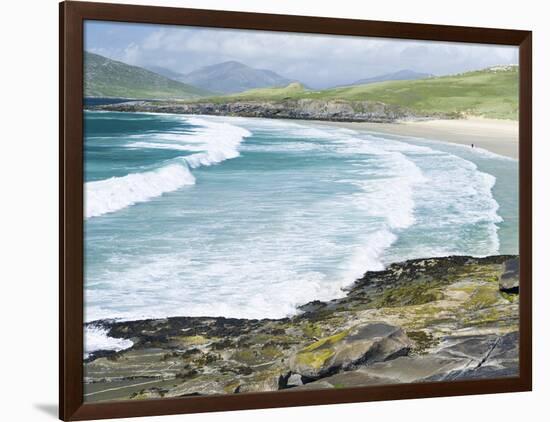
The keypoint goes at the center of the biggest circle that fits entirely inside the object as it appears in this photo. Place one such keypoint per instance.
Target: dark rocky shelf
(303, 109)
(421, 320)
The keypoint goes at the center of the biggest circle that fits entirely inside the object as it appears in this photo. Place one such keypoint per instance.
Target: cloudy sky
(318, 61)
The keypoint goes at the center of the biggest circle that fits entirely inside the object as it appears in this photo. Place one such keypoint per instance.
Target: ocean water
(236, 217)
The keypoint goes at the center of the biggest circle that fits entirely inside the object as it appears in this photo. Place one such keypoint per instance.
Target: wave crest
(96, 338)
(116, 193)
(216, 142)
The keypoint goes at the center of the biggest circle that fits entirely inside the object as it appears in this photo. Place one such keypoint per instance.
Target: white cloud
(132, 54)
(317, 60)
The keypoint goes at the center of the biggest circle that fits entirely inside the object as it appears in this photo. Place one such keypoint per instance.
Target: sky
(318, 61)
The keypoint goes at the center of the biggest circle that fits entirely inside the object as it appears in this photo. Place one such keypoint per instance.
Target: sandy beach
(498, 136)
(495, 135)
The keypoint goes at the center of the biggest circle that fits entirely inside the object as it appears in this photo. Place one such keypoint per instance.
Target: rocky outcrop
(355, 346)
(467, 357)
(306, 109)
(420, 320)
(509, 279)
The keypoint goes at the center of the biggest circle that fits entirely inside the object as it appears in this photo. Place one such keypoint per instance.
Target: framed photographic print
(266, 210)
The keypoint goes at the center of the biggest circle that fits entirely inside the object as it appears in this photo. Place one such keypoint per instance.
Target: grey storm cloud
(316, 60)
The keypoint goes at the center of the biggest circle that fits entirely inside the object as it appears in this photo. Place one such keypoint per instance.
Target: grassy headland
(491, 93)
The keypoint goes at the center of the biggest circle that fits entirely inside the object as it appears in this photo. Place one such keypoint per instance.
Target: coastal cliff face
(421, 320)
(306, 109)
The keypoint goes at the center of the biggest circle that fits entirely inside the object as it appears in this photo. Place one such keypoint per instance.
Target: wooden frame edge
(61, 176)
(525, 208)
(71, 221)
(71, 17)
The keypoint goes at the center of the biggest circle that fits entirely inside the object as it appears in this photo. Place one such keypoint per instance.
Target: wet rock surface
(422, 320)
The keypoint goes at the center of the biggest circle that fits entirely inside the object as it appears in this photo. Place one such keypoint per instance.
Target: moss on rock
(393, 320)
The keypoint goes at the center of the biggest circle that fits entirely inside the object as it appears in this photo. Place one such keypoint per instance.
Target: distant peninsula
(489, 93)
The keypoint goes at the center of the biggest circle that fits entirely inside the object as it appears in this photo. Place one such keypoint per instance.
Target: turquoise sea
(237, 217)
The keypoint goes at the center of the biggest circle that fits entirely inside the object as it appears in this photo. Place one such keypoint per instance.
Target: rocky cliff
(306, 109)
(421, 320)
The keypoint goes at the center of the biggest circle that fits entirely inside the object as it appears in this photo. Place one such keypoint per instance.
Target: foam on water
(241, 287)
(215, 141)
(456, 195)
(96, 338)
(389, 201)
(116, 193)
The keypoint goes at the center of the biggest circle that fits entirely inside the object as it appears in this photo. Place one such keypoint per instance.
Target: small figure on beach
(472, 145)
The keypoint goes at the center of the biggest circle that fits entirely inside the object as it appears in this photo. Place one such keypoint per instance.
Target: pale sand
(498, 136)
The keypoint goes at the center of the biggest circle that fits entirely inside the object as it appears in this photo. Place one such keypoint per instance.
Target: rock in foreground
(420, 320)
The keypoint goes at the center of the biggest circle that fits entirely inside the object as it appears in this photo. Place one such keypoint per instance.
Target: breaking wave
(211, 143)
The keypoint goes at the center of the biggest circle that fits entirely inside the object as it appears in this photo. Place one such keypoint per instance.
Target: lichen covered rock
(420, 320)
(357, 345)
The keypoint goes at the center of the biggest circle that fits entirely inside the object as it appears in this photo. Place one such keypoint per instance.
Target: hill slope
(292, 90)
(401, 75)
(163, 71)
(104, 77)
(491, 93)
(232, 76)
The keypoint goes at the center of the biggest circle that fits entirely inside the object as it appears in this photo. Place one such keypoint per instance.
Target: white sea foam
(368, 257)
(277, 250)
(387, 180)
(386, 189)
(245, 292)
(456, 206)
(116, 193)
(453, 189)
(96, 338)
(211, 143)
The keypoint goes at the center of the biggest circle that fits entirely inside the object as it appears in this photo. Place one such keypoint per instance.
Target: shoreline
(394, 128)
(106, 323)
(422, 320)
(497, 136)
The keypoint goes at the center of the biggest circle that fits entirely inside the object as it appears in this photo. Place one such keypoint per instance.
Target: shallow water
(249, 218)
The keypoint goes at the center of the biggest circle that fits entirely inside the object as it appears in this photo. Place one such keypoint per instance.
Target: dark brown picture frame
(71, 19)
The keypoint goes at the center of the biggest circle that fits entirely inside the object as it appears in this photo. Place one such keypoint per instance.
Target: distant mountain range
(230, 77)
(402, 75)
(231, 82)
(104, 77)
(491, 93)
(170, 74)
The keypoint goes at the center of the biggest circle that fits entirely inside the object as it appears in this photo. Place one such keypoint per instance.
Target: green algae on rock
(420, 320)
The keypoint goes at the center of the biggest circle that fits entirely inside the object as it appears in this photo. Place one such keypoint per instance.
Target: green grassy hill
(491, 93)
(293, 90)
(104, 77)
